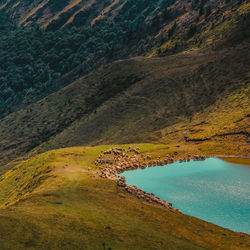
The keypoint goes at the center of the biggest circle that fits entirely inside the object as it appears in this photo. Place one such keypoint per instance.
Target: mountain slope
(189, 95)
(64, 12)
(139, 98)
(36, 62)
(128, 101)
(70, 207)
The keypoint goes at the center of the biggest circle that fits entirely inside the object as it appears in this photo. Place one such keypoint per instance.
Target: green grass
(24, 179)
(229, 114)
(215, 31)
(230, 31)
(173, 91)
(73, 209)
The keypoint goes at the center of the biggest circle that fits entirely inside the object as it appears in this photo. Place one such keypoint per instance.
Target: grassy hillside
(199, 24)
(175, 91)
(56, 200)
(141, 99)
(131, 101)
(222, 128)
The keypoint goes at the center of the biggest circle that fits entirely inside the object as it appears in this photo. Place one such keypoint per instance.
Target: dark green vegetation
(36, 61)
(57, 201)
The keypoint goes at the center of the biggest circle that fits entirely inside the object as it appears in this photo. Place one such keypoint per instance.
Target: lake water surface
(213, 190)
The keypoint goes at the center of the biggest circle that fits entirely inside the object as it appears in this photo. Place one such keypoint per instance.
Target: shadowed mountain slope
(128, 101)
(65, 12)
(142, 99)
(36, 62)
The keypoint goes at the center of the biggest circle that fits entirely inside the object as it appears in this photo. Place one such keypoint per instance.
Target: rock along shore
(115, 161)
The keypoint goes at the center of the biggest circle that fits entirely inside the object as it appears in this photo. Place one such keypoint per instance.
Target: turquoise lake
(212, 190)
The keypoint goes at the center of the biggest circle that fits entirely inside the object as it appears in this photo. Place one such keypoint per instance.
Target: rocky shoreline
(115, 161)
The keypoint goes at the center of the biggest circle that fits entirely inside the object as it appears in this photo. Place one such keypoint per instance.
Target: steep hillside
(40, 59)
(57, 201)
(199, 24)
(77, 12)
(36, 61)
(131, 100)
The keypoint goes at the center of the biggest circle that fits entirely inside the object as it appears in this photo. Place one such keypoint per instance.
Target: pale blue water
(212, 190)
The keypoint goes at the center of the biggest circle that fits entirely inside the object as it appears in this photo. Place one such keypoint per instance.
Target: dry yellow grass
(71, 208)
(224, 126)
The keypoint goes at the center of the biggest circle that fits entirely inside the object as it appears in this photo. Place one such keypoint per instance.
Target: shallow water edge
(214, 190)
